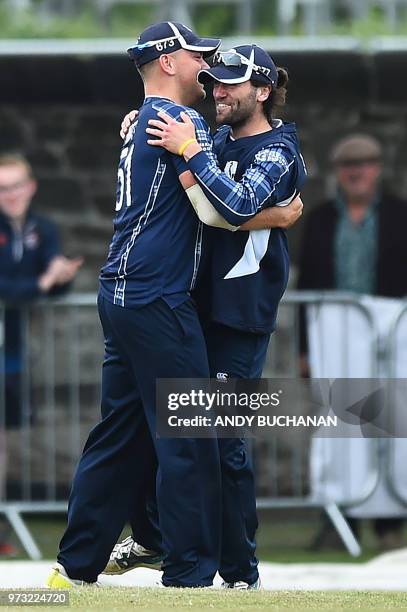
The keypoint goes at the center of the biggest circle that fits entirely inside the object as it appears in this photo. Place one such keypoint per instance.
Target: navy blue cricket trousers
(121, 452)
(240, 354)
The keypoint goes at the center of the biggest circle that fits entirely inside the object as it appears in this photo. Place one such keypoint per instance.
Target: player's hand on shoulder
(127, 122)
(171, 134)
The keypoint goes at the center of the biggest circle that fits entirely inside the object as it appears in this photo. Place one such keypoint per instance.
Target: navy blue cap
(167, 37)
(241, 64)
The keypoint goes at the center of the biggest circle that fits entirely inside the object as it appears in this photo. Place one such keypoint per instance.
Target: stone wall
(64, 113)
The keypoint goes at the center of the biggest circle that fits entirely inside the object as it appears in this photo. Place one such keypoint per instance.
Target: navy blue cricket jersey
(246, 273)
(157, 241)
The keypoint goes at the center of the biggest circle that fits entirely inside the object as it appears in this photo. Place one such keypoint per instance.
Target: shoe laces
(124, 548)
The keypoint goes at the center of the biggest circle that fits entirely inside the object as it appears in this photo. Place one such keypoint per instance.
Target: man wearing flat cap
(356, 241)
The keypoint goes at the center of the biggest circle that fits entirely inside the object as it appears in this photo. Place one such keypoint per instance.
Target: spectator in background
(31, 266)
(356, 242)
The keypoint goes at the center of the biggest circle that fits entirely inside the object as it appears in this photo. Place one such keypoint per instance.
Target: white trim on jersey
(119, 291)
(288, 200)
(197, 254)
(255, 250)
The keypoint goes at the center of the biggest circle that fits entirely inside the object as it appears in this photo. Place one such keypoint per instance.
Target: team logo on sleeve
(272, 155)
(230, 169)
(222, 376)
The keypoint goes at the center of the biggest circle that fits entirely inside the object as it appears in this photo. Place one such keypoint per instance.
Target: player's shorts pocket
(179, 318)
(186, 317)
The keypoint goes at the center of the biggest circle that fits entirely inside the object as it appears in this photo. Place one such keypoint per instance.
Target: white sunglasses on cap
(235, 59)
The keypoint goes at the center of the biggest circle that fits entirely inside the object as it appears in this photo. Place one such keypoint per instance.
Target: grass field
(282, 538)
(111, 599)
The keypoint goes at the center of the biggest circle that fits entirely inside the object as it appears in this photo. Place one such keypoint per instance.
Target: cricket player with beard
(245, 272)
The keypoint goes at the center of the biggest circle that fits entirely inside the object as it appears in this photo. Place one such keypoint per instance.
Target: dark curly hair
(276, 100)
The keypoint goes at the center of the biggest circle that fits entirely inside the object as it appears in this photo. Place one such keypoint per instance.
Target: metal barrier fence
(300, 485)
(397, 457)
(52, 402)
(61, 353)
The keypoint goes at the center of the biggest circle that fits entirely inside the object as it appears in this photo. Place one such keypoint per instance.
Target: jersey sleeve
(270, 180)
(202, 131)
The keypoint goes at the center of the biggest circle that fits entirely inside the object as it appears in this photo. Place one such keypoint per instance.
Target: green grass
(150, 599)
(283, 537)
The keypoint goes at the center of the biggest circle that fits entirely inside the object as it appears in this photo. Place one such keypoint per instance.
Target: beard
(240, 111)
(193, 94)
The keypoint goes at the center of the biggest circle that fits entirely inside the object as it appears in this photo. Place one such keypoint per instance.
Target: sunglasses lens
(228, 59)
(231, 59)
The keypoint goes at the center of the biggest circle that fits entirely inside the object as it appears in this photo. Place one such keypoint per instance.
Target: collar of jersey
(277, 123)
(160, 97)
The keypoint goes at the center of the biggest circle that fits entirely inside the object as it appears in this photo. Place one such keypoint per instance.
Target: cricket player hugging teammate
(191, 502)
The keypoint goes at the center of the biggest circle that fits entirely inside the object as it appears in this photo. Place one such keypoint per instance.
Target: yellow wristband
(185, 144)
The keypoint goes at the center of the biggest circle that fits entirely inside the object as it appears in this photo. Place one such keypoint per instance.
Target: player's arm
(263, 183)
(205, 211)
(276, 216)
(203, 208)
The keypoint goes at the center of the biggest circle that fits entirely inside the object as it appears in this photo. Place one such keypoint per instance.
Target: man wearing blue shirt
(152, 331)
(245, 273)
(31, 266)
